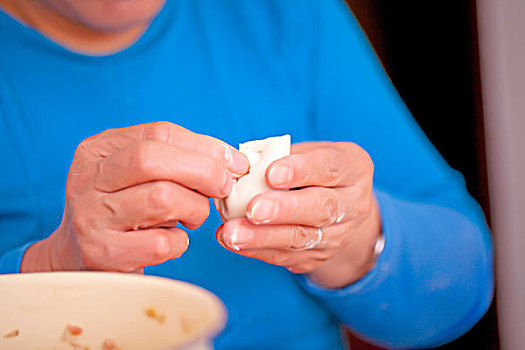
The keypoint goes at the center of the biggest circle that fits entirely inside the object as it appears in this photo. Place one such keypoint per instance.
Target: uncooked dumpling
(260, 153)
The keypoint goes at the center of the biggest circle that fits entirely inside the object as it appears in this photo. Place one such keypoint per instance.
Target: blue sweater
(241, 70)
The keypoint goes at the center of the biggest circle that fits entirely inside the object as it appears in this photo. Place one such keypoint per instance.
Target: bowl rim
(216, 323)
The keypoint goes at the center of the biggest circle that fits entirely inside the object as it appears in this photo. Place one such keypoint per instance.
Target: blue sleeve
(10, 262)
(434, 279)
(18, 228)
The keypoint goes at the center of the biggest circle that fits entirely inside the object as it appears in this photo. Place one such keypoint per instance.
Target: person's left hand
(330, 188)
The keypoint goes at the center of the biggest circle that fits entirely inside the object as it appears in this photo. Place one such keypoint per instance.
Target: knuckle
(281, 259)
(329, 209)
(159, 131)
(160, 195)
(332, 171)
(298, 237)
(100, 171)
(93, 147)
(142, 157)
(84, 146)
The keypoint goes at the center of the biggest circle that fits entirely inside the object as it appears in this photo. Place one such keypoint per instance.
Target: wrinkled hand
(126, 191)
(330, 188)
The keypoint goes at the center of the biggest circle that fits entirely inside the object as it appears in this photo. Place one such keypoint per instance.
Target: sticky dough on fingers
(260, 154)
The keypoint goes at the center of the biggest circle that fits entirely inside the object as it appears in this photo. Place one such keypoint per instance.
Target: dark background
(430, 51)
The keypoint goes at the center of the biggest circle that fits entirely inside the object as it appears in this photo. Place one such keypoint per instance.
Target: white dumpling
(260, 153)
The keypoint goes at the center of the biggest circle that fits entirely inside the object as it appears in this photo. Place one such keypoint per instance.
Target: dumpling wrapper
(260, 154)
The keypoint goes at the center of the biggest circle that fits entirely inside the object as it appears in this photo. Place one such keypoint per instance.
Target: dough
(260, 153)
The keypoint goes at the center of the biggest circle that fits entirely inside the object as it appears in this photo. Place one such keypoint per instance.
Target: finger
(310, 206)
(112, 140)
(308, 259)
(240, 234)
(132, 250)
(178, 136)
(153, 160)
(216, 203)
(327, 165)
(302, 147)
(158, 203)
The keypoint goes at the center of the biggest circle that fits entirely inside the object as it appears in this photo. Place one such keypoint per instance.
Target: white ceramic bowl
(137, 312)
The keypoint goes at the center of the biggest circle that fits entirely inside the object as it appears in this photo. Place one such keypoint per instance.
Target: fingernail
(239, 164)
(220, 239)
(262, 212)
(238, 238)
(280, 174)
(227, 183)
(233, 239)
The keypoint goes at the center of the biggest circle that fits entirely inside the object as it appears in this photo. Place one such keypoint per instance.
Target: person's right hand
(126, 191)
